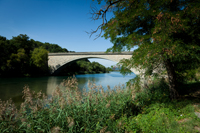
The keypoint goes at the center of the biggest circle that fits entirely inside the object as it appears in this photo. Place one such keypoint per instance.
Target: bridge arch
(58, 60)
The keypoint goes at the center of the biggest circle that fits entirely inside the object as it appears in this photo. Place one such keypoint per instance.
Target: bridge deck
(91, 53)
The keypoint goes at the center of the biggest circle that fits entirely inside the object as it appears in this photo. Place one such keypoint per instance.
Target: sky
(62, 22)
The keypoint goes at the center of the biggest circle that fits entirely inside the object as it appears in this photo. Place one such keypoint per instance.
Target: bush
(158, 92)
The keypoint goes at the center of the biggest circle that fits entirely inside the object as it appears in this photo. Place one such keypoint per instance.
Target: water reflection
(51, 85)
(13, 87)
(112, 79)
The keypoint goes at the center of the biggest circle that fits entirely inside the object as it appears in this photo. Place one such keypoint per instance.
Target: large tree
(22, 56)
(39, 58)
(167, 33)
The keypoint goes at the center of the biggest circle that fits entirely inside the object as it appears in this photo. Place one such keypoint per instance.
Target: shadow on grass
(158, 93)
(189, 91)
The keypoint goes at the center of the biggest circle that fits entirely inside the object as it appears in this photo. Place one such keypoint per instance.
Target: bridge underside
(57, 61)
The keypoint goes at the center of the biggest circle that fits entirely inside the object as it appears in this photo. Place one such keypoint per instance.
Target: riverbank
(119, 110)
(13, 87)
(82, 72)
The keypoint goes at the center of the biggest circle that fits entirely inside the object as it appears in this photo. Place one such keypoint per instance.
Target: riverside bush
(157, 92)
(164, 118)
(158, 113)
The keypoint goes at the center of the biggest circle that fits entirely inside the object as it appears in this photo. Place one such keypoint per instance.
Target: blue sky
(61, 22)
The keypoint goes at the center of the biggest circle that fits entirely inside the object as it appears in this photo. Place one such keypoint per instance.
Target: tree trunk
(172, 79)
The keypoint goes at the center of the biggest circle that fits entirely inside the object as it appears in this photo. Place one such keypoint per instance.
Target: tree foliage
(39, 58)
(17, 62)
(22, 56)
(167, 33)
(83, 66)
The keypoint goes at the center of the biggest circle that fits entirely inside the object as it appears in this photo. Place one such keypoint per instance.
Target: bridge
(57, 61)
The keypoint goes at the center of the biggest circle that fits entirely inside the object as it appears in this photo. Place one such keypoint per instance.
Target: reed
(117, 109)
(68, 110)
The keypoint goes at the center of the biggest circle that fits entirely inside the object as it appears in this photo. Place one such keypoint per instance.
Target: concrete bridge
(58, 60)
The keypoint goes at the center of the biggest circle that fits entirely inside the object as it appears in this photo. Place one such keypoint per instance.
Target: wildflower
(27, 95)
(119, 124)
(39, 94)
(70, 121)
(57, 92)
(108, 87)
(108, 105)
(62, 102)
(69, 100)
(103, 129)
(55, 129)
(34, 109)
(112, 116)
(28, 125)
(23, 120)
(71, 124)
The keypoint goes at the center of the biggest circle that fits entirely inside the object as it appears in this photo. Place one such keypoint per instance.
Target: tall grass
(116, 110)
(68, 110)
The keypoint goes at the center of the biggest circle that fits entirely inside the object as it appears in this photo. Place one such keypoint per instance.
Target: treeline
(83, 66)
(22, 56)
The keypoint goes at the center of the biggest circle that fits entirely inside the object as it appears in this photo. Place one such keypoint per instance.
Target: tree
(39, 58)
(3, 52)
(167, 33)
(22, 41)
(17, 63)
(18, 56)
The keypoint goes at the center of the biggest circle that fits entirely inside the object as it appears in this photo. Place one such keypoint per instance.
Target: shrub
(157, 92)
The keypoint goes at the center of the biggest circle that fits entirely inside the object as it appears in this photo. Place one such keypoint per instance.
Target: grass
(116, 110)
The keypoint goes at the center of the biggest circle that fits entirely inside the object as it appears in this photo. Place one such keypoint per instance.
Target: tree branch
(100, 14)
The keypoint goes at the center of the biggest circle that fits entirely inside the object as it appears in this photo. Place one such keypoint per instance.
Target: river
(13, 87)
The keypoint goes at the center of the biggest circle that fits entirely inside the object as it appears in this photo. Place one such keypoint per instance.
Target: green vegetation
(116, 110)
(21, 56)
(83, 66)
(166, 32)
(167, 35)
(39, 58)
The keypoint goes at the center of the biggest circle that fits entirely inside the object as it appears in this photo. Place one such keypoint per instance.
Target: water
(13, 87)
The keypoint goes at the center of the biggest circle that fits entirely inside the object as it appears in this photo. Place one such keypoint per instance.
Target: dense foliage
(167, 33)
(21, 56)
(83, 66)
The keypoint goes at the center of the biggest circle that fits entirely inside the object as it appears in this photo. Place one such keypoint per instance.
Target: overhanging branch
(100, 14)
